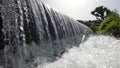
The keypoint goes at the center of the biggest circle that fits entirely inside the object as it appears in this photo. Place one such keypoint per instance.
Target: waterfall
(29, 30)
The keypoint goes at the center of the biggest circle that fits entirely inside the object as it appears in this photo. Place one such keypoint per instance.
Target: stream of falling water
(96, 52)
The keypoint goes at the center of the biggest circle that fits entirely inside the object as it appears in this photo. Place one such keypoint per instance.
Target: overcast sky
(81, 9)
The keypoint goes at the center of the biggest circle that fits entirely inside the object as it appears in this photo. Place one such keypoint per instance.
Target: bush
(111, 25)
(94, 28)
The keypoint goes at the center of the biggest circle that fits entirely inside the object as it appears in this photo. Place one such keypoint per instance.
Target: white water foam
(96, 52)
(1, 67)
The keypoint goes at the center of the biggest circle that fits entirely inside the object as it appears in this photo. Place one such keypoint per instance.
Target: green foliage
(109, 21)
(111, 25)
(94, 28)
(101, 12)
(80, 21)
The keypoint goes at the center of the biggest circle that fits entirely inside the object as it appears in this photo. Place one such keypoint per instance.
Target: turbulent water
(96, 52)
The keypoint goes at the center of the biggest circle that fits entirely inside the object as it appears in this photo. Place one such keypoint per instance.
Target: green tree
(101, 12)
(111, 25)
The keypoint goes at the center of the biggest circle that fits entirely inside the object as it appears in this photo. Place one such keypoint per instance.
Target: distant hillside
(90, 22)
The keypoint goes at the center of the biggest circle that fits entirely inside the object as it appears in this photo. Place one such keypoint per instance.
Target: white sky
(81, 9)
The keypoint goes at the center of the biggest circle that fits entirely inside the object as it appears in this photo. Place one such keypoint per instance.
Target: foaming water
(96, 52)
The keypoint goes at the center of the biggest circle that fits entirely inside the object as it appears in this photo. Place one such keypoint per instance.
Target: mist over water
(96, 52)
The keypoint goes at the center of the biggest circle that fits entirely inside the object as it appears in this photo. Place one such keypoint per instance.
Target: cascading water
(96, 52)
(30, 31)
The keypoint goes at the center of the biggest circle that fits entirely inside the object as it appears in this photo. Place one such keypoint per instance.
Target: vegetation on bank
(108, 21)
(110, 25)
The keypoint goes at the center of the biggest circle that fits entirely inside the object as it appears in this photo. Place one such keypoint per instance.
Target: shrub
(111, 25)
